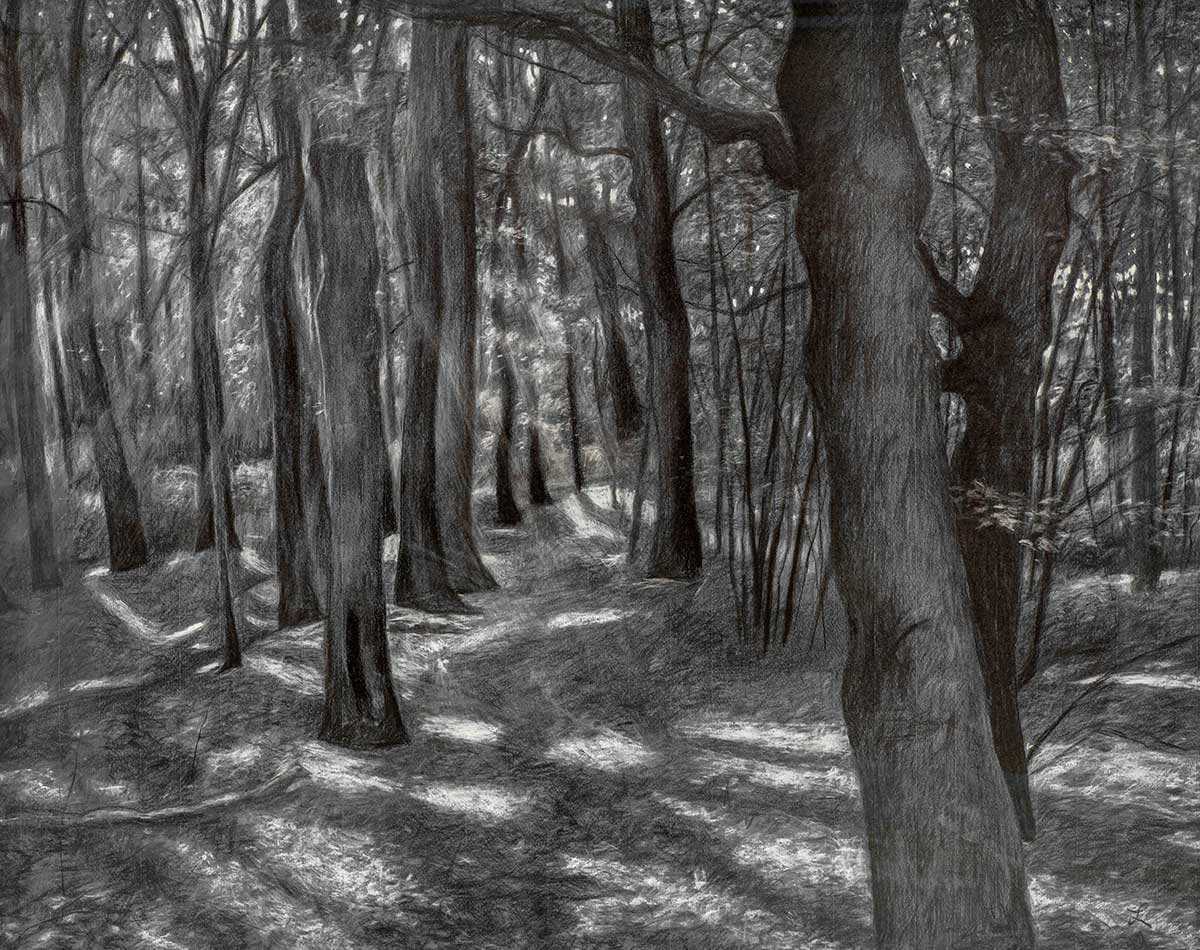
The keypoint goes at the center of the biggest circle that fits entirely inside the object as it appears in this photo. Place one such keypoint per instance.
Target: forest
(654, 473)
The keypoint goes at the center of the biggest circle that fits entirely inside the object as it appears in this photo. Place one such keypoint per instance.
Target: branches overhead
(722, 123)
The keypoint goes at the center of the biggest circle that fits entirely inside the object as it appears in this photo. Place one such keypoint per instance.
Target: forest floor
(595, 762)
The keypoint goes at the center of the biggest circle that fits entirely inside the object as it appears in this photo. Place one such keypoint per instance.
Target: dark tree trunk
(539, 493)
(675, 549)
(1145, 549)
(577, 470)
(458, 373)
(122, 512)
(999, 369)
(507, 511)
(298, 602)
(434, 130)
(18, 297)
(945, 854)
(360, 708)
(213, 474)
(622, 389)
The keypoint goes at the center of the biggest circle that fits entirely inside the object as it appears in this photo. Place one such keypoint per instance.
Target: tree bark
(622, 389)
(18, 296)
(122, 512)
(433, 141)
(1145, 548)
(213, 474)
(360, 706)
(999, 369)
(675, 550)
(945, 855)
(298, 602)
(458, 373)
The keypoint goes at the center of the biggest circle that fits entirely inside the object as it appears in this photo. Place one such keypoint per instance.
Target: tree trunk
(360, 701)
(1145, 549)
(675, 550)
(122, 512)
(945, 855)
(434, 130)
(458, 373)
(298, 602)
(999, 369)
(577, 471)
(622, 389)
(18, 297)
(507, 511)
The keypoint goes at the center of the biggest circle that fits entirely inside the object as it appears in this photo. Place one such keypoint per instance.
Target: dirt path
(593, 764)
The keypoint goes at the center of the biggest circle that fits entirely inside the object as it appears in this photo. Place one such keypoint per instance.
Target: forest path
(594, 763)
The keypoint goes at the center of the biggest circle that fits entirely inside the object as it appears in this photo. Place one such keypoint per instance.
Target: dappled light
(462, 730)
(479, 802)
(607, 751)
(592, 618)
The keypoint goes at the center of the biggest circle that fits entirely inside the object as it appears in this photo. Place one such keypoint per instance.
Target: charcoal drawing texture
(655, 473)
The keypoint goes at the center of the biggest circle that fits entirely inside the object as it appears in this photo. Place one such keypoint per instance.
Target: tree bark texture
(360, 707)
(675, 549)
(945, 854)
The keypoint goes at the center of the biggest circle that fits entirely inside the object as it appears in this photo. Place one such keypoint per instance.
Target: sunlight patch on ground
(186, 633)
(654, 901)
(464, 730)
(1152, 680)
(335, 862)
(585, 525)
(298, 676)
(800, 739)
(134, 622)
(235, 759)
(1085, 771)
(480, 802)
(419, 618)
(107, 682)
(35, 785)
(341, 771)
(733, 769)
(252, 561)
(791, 851)
(605, 751)
(586, 618)
(29, 701)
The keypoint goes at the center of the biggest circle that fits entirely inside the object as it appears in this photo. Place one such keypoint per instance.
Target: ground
(594, 763)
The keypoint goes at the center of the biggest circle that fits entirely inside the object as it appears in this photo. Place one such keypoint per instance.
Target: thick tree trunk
(1145, 548)
(946, 863)
(458, 373)
(18, 300)
(999, 369)
(622, 389)
(434, 131)
(360, 707)
(675, 550)
(122, 513)
(298, 602)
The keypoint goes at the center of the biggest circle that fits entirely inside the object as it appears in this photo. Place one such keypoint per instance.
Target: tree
(432, 160)
(946, 862)
(458, 375)
(196, 107)
(18, 295)
(675, 549)
(1144, 547)
(1005, 325)
(292, 424)
(122, 512)
(360, 707)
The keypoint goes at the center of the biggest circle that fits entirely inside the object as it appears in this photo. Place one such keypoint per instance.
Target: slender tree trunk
(18, 299)
(945, 854)
(1145, 549)
(360, 708)
(999, 369)
(458, 373)
(622, 388)
(578, 474)
(122, 512)
(675, 550)
(298, 602)
(147, 387)
(434, 131)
